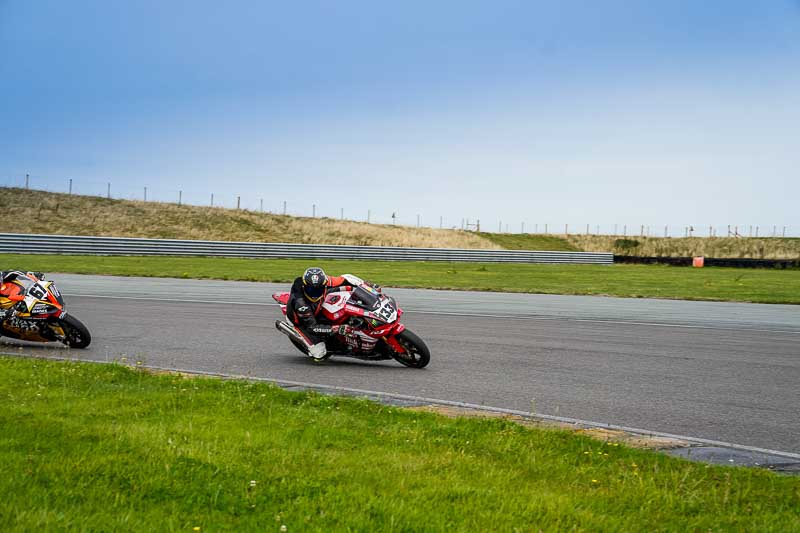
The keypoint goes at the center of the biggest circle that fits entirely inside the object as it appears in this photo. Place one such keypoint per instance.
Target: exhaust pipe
(288, 330)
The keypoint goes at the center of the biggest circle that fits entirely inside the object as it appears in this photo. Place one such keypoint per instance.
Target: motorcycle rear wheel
(417, 354)
(76, 334)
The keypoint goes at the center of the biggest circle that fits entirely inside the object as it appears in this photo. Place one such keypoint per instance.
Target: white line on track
(476, 315)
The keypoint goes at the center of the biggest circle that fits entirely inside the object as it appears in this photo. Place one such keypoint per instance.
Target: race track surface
(721, 371)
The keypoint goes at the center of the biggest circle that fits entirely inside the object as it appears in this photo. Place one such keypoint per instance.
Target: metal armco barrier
(76, 245)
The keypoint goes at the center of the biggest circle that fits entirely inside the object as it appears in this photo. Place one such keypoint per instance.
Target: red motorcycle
(374, 318)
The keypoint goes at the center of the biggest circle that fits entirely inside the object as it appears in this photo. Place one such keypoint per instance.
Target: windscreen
(364, 299)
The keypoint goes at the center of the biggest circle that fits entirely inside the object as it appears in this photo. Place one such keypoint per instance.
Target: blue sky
(576, 112)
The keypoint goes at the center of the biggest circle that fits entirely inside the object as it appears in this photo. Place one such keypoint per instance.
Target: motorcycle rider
(305, 303)
(9, 274)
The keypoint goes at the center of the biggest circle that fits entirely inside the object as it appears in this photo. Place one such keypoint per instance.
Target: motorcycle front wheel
(76, 335)
(417, 354)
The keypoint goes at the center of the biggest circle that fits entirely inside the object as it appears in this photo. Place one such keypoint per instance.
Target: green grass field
(105, 447)
(635, 281)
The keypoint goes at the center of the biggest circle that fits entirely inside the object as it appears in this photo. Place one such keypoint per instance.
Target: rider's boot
(317, 351)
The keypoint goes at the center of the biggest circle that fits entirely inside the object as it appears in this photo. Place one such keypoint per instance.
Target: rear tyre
(76, 334)
(417, 354)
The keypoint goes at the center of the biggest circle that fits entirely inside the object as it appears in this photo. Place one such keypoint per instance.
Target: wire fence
(257, 203)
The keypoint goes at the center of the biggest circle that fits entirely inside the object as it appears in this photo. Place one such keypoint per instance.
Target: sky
(607, 113)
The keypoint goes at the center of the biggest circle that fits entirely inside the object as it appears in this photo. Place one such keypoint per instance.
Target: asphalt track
(719, 371)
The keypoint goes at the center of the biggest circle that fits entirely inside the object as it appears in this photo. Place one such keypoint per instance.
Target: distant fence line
(468, 224)
(78, 245)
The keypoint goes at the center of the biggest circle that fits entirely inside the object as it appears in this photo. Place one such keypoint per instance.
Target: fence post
(615, 230)
(418, 220)
(180, 197)
(108, 191)
(566, 229)
(440, 221)
(212, 199)
(145, 194)
(545, 229)
(523, 228)
(597, 230)
(313, 210)
(756, 231)
(342, 213)
(665, 231)
(587, 229)
(478, 225)
(369, 215)
(500, 227)
(70, 185)
(284, 208)
(784, 232)
(261, 206)
(774, 230)
(625, 230)
(27, 181)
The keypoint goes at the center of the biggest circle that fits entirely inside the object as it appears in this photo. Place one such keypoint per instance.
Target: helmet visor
(313, 293)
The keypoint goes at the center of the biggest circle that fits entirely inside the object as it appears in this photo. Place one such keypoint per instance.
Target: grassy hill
(29, 211)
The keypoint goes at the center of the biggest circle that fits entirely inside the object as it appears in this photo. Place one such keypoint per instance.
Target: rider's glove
(343, 330)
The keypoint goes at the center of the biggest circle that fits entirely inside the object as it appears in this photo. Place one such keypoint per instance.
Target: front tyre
(417, 354)
(76, 335)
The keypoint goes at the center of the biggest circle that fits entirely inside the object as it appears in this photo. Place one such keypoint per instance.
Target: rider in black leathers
(305, 304)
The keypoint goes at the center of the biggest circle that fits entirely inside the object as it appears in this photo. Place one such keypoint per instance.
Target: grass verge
(105, 447)
(633, 281)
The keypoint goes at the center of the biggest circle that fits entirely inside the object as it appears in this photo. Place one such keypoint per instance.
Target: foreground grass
(635, 281)
(104, 447)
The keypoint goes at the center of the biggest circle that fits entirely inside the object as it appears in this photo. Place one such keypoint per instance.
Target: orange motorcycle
(32, 309)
